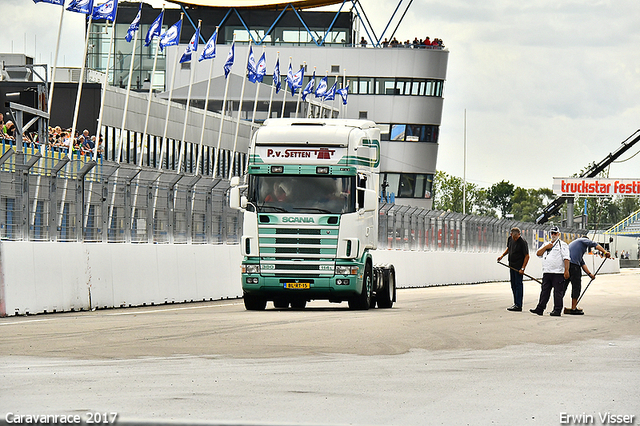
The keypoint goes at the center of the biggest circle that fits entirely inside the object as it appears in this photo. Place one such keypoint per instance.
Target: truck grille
(295, 249)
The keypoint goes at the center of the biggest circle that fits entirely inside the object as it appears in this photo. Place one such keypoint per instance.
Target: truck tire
(254, 303)
(387, 294)
(362, 302)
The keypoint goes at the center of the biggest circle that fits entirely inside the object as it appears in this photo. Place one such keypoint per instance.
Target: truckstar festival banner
(596, 186)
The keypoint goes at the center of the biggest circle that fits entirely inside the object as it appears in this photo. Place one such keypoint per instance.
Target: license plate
(297, 285)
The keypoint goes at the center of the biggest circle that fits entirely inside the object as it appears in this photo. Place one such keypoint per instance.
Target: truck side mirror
(234, 198)
(370, 200)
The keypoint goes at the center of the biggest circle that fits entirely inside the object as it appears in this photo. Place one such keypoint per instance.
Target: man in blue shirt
(577, 249)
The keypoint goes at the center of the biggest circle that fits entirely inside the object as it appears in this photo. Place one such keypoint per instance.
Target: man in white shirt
(555, 269)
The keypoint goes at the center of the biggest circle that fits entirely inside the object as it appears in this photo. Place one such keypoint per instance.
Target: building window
(363, 115)
(408, 132)
(407, 185)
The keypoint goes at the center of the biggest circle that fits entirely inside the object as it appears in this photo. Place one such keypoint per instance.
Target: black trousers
(575, 278)
(555, 282)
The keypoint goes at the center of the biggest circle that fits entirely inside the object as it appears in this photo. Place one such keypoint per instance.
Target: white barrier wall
(53, 277)
(37, 277)
(419, 269)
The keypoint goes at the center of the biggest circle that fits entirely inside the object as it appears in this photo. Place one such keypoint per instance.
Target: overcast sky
(549, 86)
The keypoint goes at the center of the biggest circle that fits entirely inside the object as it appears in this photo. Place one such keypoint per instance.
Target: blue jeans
(517, 287)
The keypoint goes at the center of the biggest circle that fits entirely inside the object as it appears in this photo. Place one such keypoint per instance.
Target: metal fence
(46, 196)
(413, 228)
(53, 198)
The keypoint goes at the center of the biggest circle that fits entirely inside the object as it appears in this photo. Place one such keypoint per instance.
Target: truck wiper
(276, 208)
(314, 209)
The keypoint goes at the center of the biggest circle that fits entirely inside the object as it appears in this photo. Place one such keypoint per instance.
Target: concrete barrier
(39, 277)
(58, 277)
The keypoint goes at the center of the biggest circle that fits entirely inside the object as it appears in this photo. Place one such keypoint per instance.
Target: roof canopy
(268, 4)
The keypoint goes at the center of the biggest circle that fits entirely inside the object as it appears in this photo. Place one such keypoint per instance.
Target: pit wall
(40, 277)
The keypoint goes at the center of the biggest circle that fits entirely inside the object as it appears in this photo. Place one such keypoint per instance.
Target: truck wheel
(281, 304)
(298, 304)
(386, 296)
(362, 302)
(254, 303)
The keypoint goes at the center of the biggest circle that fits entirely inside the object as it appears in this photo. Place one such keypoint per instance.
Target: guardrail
(415, 229)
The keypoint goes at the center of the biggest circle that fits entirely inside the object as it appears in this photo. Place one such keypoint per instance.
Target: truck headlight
(250, 269)
(346, 270)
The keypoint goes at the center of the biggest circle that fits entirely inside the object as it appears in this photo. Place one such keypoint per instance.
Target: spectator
(385, 42)
(415, 42)
(9, 130)
(88, 145)
(363, 42)
(394, 42)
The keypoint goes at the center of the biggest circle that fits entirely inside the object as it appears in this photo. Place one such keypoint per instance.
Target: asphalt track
(443, 355)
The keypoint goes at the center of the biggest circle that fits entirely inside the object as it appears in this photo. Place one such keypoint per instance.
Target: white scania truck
(311, 215)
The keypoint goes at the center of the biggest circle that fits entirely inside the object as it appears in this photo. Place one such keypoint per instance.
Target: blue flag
(252, 71)
(322, 88)
(294, 81)
(209, 51)
(261, 68)
(344, 92)
(229, 63)
(309, 87)
(171, 37)
(331, 93)
(154, 29)
(81, 6)
(135, 25)
(191, 47)
(276, 76)
(106, 10)
(56, 2)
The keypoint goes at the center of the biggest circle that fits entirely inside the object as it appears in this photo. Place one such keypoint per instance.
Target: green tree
(448, 192)
(499, 195)
(482, 206)
(527, 204)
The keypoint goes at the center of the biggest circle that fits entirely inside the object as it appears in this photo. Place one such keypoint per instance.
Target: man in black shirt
(518, 251)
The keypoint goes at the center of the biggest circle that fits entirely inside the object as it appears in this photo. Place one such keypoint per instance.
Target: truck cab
(310, 215)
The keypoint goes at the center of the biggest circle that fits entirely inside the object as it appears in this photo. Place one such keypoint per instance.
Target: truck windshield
(300, 193)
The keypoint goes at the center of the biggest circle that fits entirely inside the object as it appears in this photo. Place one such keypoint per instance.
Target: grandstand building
(400, 88)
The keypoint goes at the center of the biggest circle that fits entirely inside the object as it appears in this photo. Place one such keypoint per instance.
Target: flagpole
(204, 112)
(166, 119)
(273, 87)
(300, 93)
(126, 99)
(222, 114)
(55, 61)
(143, 142)
(284, 96)
(186, 109)
(105, 84)
(235, 137)
(347, 104)
(79, 94)
(309, 101)
(255, 102)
